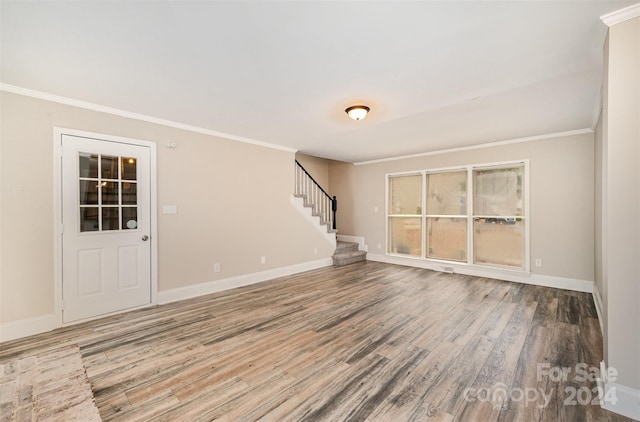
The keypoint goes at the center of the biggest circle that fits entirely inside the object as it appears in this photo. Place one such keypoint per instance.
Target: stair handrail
(312, 179)
(334, 200)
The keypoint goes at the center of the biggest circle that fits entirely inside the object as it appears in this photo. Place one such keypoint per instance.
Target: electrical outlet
(379, 246)
(538, 262)
(263, 259)
(375, 209)
(315, 251)
(216, 267)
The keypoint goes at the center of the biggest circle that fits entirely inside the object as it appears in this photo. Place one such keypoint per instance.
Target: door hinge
(61, 228)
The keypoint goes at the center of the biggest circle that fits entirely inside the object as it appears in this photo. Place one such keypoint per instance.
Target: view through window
(473, 214)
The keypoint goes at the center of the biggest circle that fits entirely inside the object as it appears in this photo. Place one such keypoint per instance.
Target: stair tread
(346, 244)
(345, 247)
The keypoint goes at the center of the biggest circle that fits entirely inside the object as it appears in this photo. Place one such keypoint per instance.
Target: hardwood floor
(50, 386)
(368, 341)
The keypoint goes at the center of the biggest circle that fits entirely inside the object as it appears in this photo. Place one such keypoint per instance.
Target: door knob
(145, 238)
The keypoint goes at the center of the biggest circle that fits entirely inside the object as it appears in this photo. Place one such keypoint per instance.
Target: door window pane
(109, 169)
(89, 219)
(405, 195)
(129, 193)
(110, 218)
(109, 193)
(129, 218)
(447, 238)
(88, 165)
(88, 192)
(129, 165)
(498, 192)
(405, 236)
(499, 241)
(447, 193)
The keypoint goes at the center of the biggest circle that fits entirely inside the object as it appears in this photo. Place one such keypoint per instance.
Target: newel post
(334, 208)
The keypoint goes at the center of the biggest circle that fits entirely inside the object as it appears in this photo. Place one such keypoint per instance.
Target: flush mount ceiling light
(357, 112)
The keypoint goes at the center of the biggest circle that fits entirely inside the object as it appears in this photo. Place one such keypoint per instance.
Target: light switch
(169, 209)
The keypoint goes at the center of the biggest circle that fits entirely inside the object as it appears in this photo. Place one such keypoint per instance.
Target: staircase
(315, 212)
(347, 253)
(323, 207)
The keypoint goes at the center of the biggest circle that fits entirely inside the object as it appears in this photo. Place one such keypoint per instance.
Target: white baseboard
(26, 327)
(201, 289)
(355, 239)
(558, 282)
(618, 398)
(516, 276)
(597, 300)
(627, 400)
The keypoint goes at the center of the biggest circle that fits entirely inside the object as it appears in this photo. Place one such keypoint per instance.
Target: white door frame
(57, 213)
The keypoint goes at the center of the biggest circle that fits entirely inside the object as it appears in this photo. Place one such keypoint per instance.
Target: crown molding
(130, 115)
(621, 15)
(486, 145)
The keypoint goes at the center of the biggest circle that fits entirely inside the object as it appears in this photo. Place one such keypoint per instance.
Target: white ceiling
(436, 74)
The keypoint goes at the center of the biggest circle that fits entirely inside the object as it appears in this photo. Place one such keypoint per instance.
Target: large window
(473, 215)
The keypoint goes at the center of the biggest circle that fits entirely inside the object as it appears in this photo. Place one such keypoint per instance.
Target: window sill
(459, 267)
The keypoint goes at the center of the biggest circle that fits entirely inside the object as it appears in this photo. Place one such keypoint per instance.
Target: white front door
(106, 252)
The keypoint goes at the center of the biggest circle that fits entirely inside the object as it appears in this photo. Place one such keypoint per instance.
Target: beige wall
(317, 167)
(342, 186)
(562, 204)
(622, 221)
(233, 204)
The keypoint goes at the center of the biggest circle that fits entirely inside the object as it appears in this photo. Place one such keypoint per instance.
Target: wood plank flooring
(51, 386)
(368, 341)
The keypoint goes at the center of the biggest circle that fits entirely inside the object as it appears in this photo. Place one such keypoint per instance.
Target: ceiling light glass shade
(357, 112)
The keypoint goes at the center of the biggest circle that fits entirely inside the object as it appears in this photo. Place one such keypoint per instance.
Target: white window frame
(470, 216)
(387, 215)
(425, 215)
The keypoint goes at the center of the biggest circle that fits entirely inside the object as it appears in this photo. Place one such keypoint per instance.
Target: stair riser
(322, 226)
(340, 262)
(312, 206)
(347, 253)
